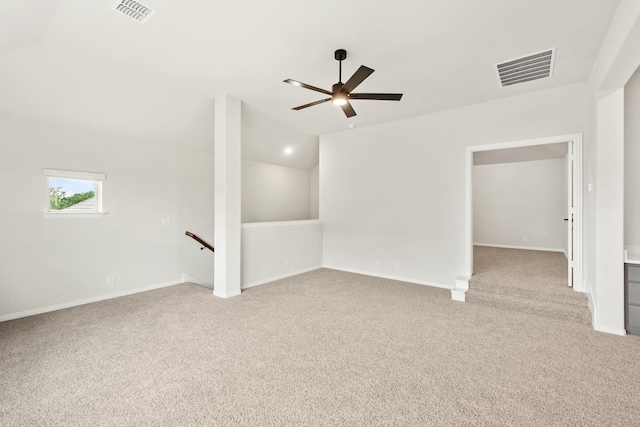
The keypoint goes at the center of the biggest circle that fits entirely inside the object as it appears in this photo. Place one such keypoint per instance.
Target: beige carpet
(325, 348)
(526, 280)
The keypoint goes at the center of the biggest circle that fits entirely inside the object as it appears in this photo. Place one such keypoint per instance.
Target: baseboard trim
(278, 277)
(518, 247)
(591, 306)
(186, 277)
(596, 325)
(460, 289)
(458, 295)
(219, 294)
(608, 330)
(390, 277)
(84, 301)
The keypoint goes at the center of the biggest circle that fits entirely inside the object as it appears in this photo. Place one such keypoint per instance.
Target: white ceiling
(521, 154)
(24, 22)
(439, 53)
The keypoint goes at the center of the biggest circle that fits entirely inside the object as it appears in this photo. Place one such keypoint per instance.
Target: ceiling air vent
(134, 10)
(530, 67)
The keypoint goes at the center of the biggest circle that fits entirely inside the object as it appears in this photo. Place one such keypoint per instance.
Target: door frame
(575, 141)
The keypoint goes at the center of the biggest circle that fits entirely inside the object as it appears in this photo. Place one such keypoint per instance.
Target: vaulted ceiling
(78, 61)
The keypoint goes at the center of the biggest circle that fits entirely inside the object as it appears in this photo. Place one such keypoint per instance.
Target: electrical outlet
(111, 280)
(166, 222)
(377, 263)
(286, 263)
(397, 266)
(525, 239)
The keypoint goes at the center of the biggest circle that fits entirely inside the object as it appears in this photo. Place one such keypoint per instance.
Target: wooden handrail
(199, 240)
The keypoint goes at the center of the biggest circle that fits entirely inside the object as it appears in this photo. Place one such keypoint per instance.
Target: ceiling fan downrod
(340, 56)
(339, 97)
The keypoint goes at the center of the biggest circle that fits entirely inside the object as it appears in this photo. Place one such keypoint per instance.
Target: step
(571, 312)
(560, 294)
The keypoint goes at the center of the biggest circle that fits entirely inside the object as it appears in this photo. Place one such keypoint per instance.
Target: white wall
(274, 193)
(617, 61)
(632, 161)
(522, 199)
(314, 193)
(395, 192)
(49, 262)
(275, 250)
(80, 92)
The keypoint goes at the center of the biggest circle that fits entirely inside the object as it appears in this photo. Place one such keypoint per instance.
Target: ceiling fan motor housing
(338, 96)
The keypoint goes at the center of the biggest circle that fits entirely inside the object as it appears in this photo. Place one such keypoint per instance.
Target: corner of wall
(188, 278)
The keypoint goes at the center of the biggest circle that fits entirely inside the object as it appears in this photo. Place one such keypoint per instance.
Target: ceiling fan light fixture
(339, 99)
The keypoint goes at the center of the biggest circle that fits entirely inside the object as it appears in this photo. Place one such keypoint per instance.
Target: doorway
(574, 197)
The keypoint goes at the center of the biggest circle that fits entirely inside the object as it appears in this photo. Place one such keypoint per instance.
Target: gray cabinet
(632, 298)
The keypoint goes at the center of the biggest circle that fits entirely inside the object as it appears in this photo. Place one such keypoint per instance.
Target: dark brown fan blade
(348, 109)
(306, 86)
(378, 96)
(322, 101)
(357, 78)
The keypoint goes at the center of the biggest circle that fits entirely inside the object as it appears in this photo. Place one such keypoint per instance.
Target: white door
(570, 212)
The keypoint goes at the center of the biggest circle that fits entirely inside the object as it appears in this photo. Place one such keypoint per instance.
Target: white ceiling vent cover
(133, 9)
(531, 67)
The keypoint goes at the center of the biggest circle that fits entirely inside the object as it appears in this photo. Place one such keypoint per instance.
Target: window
(73, 194)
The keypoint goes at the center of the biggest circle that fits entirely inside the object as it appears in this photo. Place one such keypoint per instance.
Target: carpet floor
(324, 348)
(526, 280)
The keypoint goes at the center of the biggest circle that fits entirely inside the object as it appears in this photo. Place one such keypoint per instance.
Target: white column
(227, 197)
(609, 310)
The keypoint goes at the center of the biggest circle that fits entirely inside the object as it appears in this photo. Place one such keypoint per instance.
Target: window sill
(60, 215)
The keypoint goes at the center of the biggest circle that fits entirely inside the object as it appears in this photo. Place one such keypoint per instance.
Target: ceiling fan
(341, 92)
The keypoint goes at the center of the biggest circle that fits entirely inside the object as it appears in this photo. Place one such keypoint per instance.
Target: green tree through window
(59, 199)
(73, 194)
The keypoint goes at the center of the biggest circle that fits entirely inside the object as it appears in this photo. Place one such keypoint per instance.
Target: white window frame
(87, 176)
